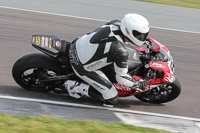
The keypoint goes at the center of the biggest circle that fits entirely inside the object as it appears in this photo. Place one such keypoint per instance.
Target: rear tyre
(161, 94)
(29, 69)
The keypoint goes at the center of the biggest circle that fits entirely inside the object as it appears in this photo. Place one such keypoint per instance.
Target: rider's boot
(111, 102)
(76, 89)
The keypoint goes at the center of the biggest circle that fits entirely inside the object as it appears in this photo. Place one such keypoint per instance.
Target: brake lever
(151, 75)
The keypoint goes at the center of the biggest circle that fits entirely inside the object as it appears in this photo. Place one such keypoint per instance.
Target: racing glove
(140, 85)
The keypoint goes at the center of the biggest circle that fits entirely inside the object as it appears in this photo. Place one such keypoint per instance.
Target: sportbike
(48, 71)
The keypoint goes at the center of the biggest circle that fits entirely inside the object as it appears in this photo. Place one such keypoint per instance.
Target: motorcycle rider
(102, 47)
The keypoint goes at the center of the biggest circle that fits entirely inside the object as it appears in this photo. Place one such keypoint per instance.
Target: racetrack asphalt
(17, 28)
(158, 15)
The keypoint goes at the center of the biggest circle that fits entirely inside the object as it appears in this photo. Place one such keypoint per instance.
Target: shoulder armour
(103, 36)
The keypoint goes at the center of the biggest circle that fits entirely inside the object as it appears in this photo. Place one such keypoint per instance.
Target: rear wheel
(161, 94)
(30, 69)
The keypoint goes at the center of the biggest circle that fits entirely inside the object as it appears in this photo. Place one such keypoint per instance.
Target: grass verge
(46, 124)
(183, 3)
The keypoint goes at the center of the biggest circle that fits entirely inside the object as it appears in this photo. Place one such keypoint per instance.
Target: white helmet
(135, 27)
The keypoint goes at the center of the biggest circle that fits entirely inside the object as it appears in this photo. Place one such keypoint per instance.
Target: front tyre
(31, 68)
(161, 94)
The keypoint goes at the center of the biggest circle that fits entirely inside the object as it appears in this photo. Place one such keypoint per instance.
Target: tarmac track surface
(17, 27)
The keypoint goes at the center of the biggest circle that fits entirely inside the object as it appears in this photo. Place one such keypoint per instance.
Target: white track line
(96, 107)
(64, 15)
(49, 13)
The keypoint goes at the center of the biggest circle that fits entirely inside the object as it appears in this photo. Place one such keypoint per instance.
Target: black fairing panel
(49, 44)
(133, 58)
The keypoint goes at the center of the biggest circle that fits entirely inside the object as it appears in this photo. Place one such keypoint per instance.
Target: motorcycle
(48, 71)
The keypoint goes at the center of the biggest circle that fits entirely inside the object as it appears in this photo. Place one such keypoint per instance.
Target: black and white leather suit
(95, 50)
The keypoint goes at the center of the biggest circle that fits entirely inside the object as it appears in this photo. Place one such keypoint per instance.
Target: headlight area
(171, 65)
(160, 57)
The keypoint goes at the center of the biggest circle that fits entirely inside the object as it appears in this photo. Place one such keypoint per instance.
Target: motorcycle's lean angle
(49, 70)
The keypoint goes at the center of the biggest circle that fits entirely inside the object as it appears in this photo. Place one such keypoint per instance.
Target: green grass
(46, 124)
(183, 3)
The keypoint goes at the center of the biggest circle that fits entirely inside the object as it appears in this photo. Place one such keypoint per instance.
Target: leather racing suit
(92, 52)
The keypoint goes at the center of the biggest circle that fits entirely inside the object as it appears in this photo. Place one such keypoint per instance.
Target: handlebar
(149, 45)
(147, 53)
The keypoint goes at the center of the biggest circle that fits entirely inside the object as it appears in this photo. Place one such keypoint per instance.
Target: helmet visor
(140, 36)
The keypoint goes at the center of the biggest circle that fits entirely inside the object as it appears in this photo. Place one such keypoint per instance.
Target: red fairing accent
(159, 44)
(123, 91)
(156, 49)
(140, 49)
(155, 81)
(163, 66)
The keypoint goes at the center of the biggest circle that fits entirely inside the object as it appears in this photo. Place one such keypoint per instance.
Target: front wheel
(162, 94)
(30, 69)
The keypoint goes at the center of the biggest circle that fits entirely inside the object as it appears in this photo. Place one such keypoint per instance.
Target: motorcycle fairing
(165, 66)
(133, 58)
